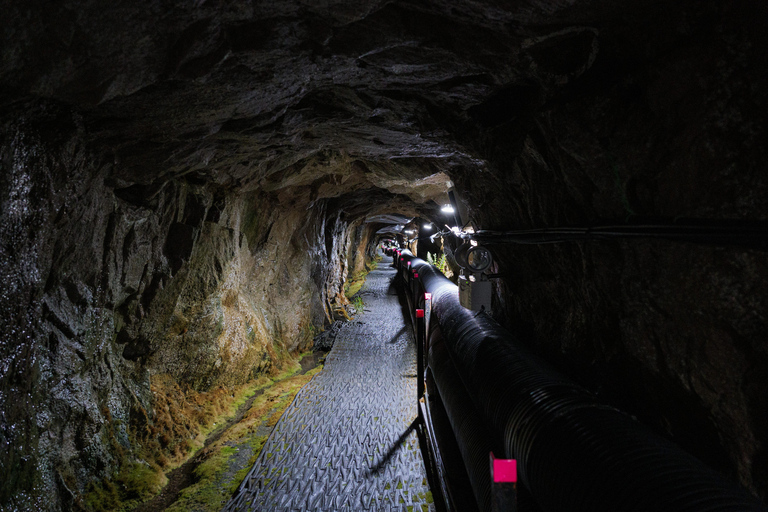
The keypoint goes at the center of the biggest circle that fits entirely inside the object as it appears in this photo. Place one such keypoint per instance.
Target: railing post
(503, 484)
(409, 273)
(420, 330)
(425, 337)
(415, 288)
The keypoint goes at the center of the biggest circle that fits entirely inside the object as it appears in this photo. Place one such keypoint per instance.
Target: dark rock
(324, 340)
(179, 244)
(136, 349)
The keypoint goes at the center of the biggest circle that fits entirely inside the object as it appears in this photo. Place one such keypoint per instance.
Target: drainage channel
(349, 440)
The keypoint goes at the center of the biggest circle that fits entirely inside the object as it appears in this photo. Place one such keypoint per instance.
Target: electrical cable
(748, 234)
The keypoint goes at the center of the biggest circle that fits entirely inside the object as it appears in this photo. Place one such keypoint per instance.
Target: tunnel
(192, 195)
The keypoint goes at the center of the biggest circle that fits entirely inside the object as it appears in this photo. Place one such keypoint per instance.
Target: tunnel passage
(349, 440)
(184, 191)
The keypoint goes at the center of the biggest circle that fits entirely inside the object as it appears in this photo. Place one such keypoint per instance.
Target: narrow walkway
(348, 441)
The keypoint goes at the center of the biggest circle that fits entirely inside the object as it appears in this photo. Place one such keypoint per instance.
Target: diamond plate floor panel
(347, 442)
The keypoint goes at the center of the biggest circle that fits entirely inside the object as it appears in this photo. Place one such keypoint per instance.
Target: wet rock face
(183, 192)
(108, 283)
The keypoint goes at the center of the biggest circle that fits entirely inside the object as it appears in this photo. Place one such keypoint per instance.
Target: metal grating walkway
(347, 442)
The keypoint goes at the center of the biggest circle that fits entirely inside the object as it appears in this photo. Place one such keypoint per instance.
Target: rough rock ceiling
(324, 99)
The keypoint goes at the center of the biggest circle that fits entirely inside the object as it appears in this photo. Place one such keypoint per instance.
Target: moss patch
(134, 483)
(183, 418)
(223, 469)
(357, 280)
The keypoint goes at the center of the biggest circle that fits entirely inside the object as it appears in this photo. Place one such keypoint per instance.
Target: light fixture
(473, 257)
(427, 227)
(447, 209)
(460, 254)
(475, 290)
(409, 231)
(478, 258)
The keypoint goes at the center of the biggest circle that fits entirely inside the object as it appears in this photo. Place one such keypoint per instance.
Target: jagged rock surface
(183, 190)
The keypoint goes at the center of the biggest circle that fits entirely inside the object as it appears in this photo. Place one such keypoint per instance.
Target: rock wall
(108, 282)
(666, 124)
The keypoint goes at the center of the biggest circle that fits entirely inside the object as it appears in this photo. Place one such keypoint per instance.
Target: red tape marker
(419, 313)
(503, 470)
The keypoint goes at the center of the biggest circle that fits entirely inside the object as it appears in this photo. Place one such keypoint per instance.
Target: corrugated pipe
(472, 436)
(573, 452)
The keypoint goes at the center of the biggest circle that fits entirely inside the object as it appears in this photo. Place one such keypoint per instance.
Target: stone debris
(324, 340)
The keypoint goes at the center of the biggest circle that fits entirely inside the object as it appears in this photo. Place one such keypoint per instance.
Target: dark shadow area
(456, 476)
(398, 286)
(393, 449)
(397, 335)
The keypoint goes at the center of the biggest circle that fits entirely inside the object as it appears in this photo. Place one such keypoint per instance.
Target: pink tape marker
(503, 470)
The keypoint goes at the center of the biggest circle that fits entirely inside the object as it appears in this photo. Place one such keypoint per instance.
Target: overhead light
(409, 231)
(427, 227)
(447, 209)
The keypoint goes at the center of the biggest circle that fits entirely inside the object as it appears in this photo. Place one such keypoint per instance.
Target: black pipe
(573, 452)
(471, 435)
